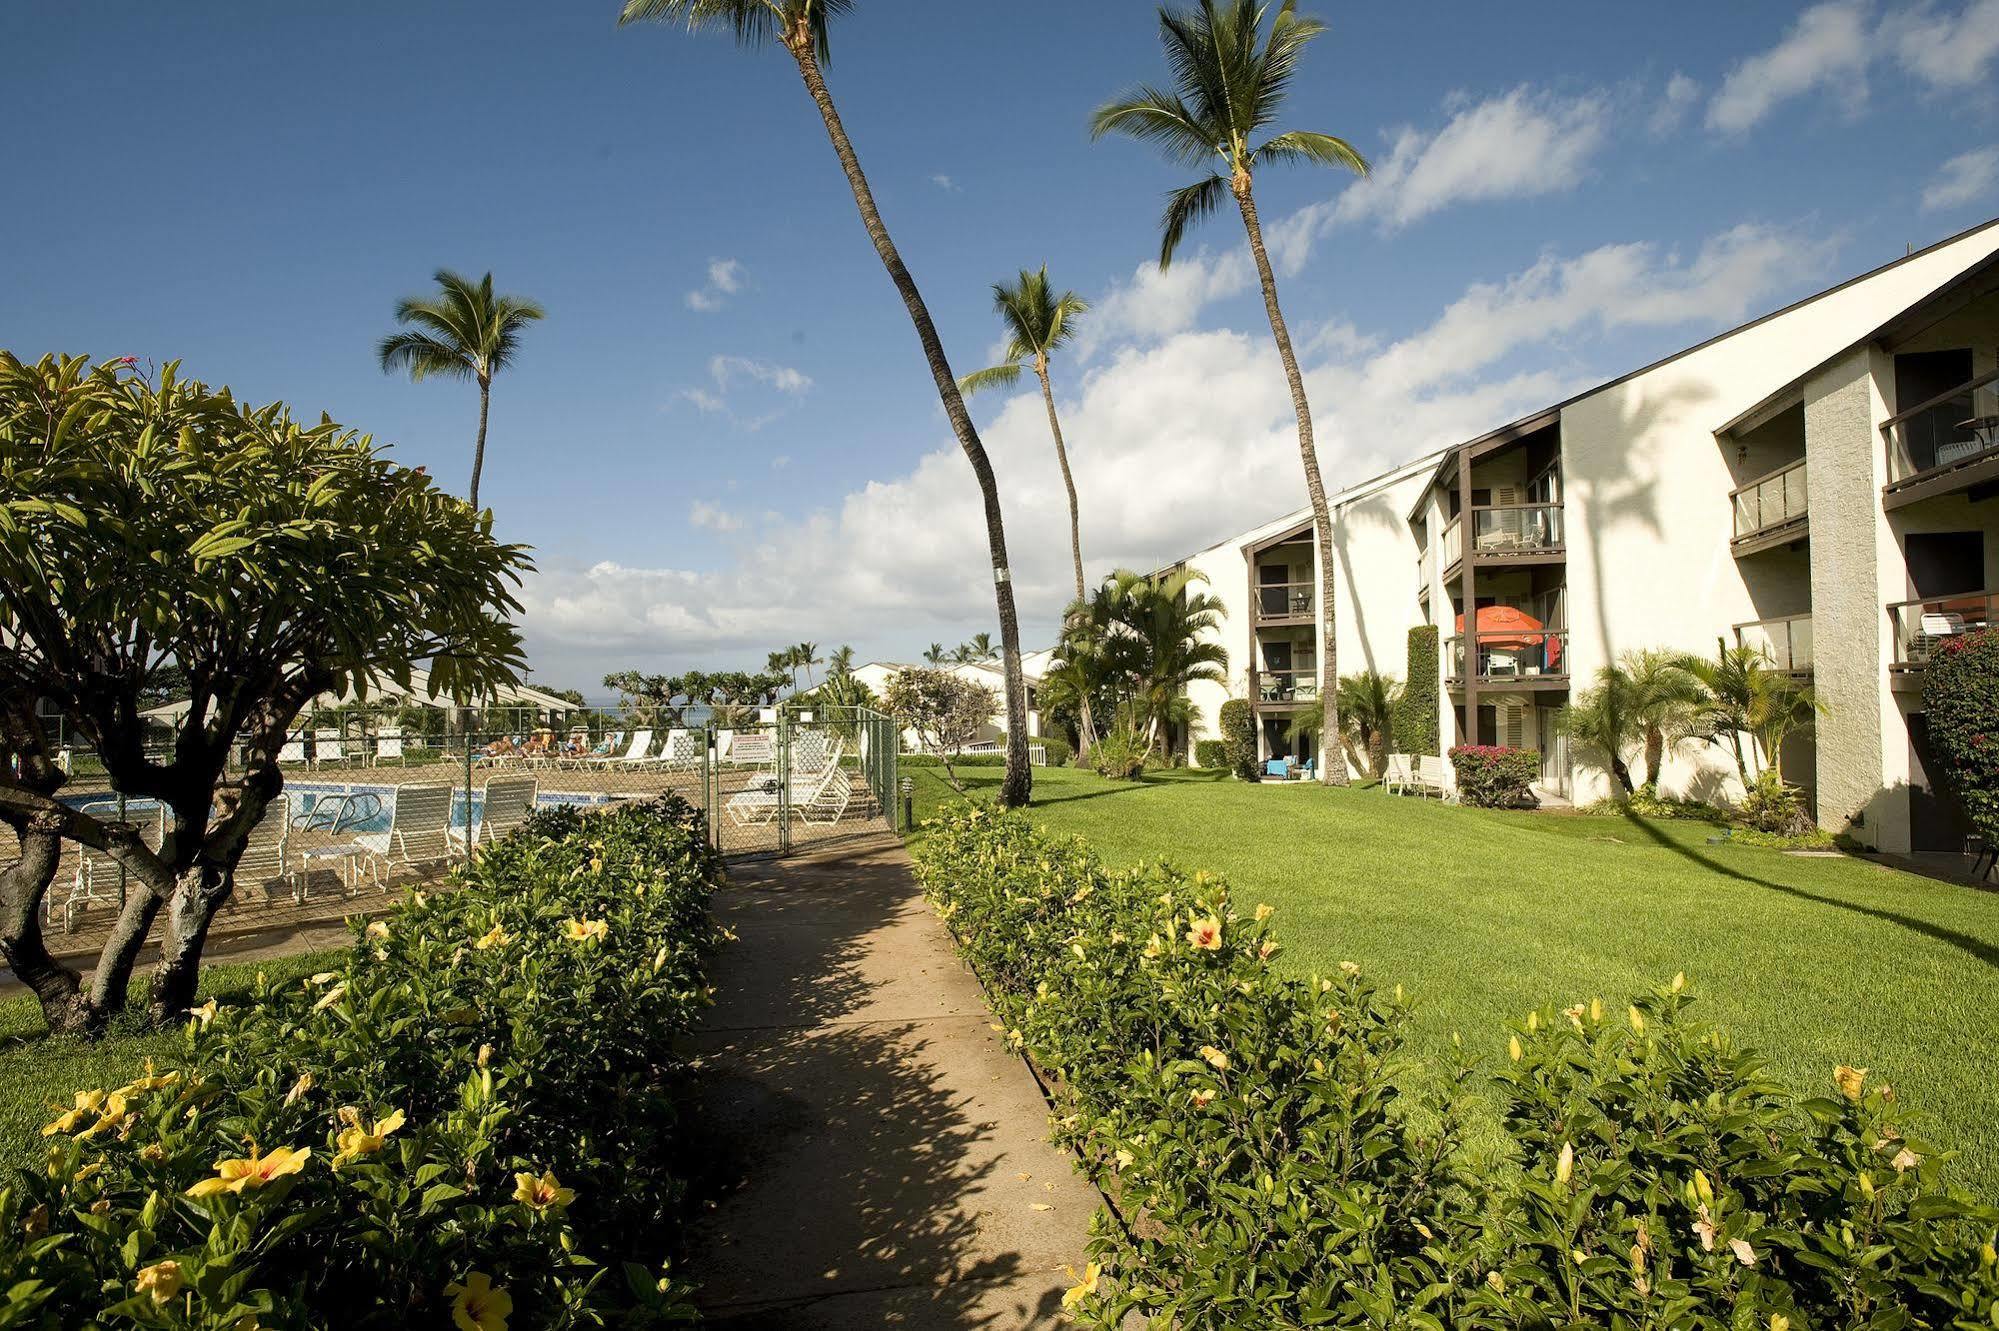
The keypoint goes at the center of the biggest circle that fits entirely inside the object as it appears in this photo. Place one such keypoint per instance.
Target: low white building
(877, 674)
(1818, 483)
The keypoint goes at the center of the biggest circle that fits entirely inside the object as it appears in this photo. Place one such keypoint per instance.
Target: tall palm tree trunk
(1086, 726)
(479, 446)
(1019, 781)
(1332, 768)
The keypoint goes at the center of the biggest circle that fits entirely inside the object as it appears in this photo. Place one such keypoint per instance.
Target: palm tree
(1665, 701)
(980, 648)
(1230, 84)
(1744, 696)
(464, 332)
(807, 655)
(841, 663)
(801, 27)
(783, 662)
(1038, 322)
(936, 655)
(1151, 637)
(1604, 721)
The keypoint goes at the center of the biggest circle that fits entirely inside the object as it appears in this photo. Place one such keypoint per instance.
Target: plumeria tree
(803, 29)
(154, 530)
(1230, 80)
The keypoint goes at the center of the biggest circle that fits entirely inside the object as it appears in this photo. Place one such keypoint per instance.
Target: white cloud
(1524, 143)
(1962, 179)
(1678, 98)
(704, 513)
(705, 402)
(725, 279)
(1153, 304)
(1175, 440)
(947, 184)
(1828, 46)
(728, 369)
(1943, 49)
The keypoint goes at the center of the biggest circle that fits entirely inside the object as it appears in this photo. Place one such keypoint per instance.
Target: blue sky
(723, 439)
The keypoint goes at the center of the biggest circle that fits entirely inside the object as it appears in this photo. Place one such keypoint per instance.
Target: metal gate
(805, 778)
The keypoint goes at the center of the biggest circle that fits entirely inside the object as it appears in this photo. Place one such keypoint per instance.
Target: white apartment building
(1819, 483)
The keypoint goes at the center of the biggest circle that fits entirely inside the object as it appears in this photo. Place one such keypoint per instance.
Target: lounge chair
(328, 747)
(1435, 777)
(603, 749)
(97, 874)
(292, 750)
(419, 832)
(1400, 773)
(761, 804)
(684, 751)
(388, 744)
(267, 850)
(634, 756)
(504, 805)
(829, 802)
(809, 749)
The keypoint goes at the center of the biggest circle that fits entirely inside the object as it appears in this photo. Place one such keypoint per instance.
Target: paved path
(869, 1153)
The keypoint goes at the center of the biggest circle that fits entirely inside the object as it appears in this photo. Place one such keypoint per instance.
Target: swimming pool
(369, 807)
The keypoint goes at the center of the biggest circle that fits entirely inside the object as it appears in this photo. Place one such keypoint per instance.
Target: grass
(1484, 915)
(39, 1071)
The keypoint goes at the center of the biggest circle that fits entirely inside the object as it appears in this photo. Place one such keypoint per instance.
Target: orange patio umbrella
(1510, 628)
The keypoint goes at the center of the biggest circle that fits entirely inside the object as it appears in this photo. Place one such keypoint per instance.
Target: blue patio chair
(1278, 767)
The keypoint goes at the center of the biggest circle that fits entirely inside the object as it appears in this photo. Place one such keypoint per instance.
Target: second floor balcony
(1285, 601)
(1771, 510)
(1284, 687)
(1945, 444)
(1537, 658)
(1785, 642)
(1922, 628)
(1506, 534)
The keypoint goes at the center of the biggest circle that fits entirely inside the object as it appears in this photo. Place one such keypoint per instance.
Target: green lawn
(39, 1071)
(1483, 915)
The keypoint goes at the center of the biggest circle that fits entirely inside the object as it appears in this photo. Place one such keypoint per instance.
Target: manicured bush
(1060, 752)
(1961, 700)
(1278, 1159)
(1416, 710)
(1211, 753)
(1493, 777)
(1238, 726)
(471, 1116)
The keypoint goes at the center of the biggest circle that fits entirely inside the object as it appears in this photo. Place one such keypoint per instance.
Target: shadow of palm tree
(1976, 948)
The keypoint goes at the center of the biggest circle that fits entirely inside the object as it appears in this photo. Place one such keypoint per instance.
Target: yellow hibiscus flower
(476, 1305)
(1850, 1080)
(1085, 1287)
(492, 938)
(1205, 934)
(87, 1103)
(359, 1138)
(247, 1175)
(585, 931)
(542, 1194)
(162, 1280)
(1215, 1058)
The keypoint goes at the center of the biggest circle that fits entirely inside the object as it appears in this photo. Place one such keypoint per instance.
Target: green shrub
(1273, 1166)
(482, 1096)
(1211, 753)
(1492, 777)
(1060, 754)
(1776, 807)
(1238, 726)
(1122, 755)
(1416, 710)
(1961, 699)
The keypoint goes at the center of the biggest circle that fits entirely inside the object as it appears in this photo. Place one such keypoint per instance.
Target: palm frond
(422, 356)
(1153, 116)
(997, 376)
(1304, 147)
(1062, 319)
(1290, 34)
(752, 22)
(1184, 207)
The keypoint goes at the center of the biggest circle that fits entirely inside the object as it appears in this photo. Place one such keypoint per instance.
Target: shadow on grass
(1976, 948)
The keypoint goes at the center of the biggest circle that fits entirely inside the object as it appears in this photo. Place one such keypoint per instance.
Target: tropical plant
(936, 655)
(1123, 751)
(1603, 723)
(1074, 679)
(463, 332)
(1368, 703)
(269, 563)
(841, 662)
(1152, 636)
(946, 711)
(1415, 727)
(1230, 83)
(1745, 697)
(801, 27)
(1961, 702)
(1666, 699)
(1238, 726)
(806, 655)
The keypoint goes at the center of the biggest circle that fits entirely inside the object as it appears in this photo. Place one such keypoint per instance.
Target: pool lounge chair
(829, 803)
(328, 747)
(684, 751)
(419, 832)
(504, 805)
(634, 756)
(97, 876)
(388, 744)
(760, 804)
(1399, 774)
(267, 850)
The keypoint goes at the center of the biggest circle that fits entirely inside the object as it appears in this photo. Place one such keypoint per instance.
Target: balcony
(1772, 510)
(1283, 688)
(1530, 659)
(1426, 570)
(1507, 534)
(1786, 642)
(1284, 601)
(1923, 628)
(1947, 444)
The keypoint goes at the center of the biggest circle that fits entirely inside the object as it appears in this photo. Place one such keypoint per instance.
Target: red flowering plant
(1491, 776)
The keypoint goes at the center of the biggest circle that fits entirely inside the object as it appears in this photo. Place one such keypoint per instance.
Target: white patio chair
(504, 805)
(419, 832)
(684, 751)
(761, 804)
(638, 754)
(829, 802)
(293, 749)
(1399, 774)
(96, 878)
(388, 744)
(328, 747)
(268, 849)
(1434, 776)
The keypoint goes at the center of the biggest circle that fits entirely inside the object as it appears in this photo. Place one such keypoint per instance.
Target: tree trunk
(1622, 771)
(1333, 771)
(1086, 725)
(479, 446)
(1019, 782)
(24, 886)
(1655, 755)
(201, 892)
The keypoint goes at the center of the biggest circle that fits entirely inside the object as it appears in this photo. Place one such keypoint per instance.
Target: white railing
(1773, 500)
(1037, 754)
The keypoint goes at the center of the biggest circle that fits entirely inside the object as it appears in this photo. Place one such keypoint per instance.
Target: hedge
(1238, 726)
(1416, 712)
(1278, 1158)
(1961, 701)
(467, 1120)
(1495, 777)
(1211, 753)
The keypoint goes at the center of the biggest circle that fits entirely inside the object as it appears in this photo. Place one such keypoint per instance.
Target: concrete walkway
(868, 1153)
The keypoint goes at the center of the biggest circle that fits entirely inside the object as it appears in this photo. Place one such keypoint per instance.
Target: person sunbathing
(503, 747)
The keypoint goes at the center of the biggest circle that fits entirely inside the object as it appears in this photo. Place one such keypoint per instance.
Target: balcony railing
(1516, 528)
(1451, 545)
(1786, 642)
(1514, 654)
(1771, 501)
(1426, 570)
(1922, 628)
(1284, 600)
(1284, 685)
(1947, 431)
